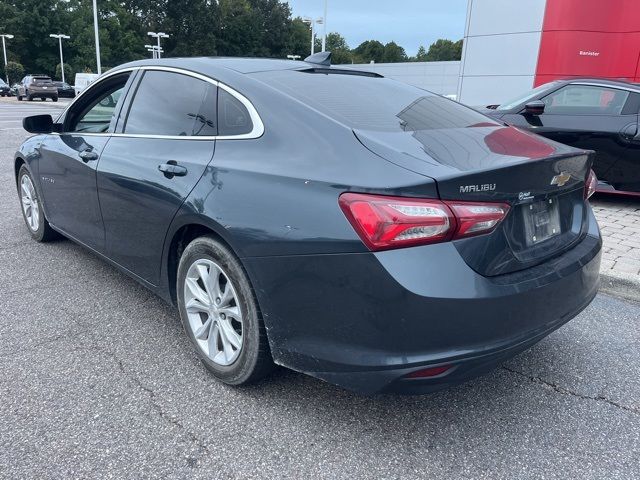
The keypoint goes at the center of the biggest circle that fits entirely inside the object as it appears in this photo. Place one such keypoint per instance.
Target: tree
(298, 39)
(68, 72)
(394, 53)
(421, 56)
(15, 72)
(367, 51)
(443, 50)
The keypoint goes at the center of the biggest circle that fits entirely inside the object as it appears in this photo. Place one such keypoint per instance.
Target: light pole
(4, 50)
(158, 35)
(313, 23)
(155, 52)
(324, 33)
(95, 32)
(60, 36)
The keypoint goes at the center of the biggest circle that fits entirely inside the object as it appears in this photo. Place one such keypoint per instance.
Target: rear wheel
(32, 211)
(220, 314)
(55, 99)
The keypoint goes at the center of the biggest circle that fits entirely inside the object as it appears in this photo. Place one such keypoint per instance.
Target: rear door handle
(172, 169)
(88, 155)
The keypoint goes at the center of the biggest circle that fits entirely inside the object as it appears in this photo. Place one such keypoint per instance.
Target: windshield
(522, 98)
(368, 103)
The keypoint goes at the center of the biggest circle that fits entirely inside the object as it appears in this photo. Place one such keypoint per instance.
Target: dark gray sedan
(332, 221)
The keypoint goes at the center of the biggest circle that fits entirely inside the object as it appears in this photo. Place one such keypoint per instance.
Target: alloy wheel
(213, 311)
(29, 203)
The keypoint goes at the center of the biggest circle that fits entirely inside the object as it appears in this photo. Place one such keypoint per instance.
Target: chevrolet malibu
(338, 223)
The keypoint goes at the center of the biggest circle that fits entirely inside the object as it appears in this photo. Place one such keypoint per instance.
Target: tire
(235, 366)
(39, 229)
(30, 98)
(19, 98)
(43, 99)
(55, 99)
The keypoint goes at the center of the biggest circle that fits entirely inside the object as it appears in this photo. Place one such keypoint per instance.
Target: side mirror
(38, 124)
(535, 107)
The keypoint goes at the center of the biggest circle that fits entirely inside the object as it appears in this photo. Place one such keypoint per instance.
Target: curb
(620, 285)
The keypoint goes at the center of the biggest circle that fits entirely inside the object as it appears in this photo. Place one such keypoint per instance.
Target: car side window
(172, 104)
(585, 100)
(233, 116)
(96, 110)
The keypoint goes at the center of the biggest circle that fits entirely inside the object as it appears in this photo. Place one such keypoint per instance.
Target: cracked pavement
(97, 379)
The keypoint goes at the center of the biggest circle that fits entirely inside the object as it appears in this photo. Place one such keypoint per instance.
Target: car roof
(603, 81)
(236, 64)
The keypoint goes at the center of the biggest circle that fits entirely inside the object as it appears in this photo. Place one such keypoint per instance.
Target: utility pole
(4, 50)
(60, 36)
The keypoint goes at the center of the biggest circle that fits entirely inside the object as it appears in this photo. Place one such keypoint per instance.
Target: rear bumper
(43, 93)
(364, 321)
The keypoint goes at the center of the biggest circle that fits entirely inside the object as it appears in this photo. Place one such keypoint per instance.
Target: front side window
(173, 104)
(585, 100)
(96, 114)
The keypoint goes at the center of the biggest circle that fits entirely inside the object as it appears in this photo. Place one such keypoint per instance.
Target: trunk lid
(542, 181)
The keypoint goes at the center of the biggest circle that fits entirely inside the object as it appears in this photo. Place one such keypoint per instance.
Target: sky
(409, 23)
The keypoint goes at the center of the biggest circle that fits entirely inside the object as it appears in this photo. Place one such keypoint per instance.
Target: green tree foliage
(442, 50)
(299, 38)
(394, 53)
(421, 56)
(15, 72)
(68, 73)
(261, 28)
(367, 51)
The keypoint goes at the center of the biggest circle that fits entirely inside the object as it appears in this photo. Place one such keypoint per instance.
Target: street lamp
(60, 36)
(158, 35)
(4, 50)
(155, 52)
(313, 23)
(95, 32)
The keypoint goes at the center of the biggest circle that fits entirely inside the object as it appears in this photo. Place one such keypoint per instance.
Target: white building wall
(437, 77)
(500, 54)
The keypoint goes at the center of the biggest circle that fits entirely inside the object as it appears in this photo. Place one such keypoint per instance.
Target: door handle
(172, 169)
(88, 155)
(629, 131)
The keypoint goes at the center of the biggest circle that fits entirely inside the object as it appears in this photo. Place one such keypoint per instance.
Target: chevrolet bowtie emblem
(561, 179)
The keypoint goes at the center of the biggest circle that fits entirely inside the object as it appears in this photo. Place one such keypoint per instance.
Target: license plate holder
(541, 220)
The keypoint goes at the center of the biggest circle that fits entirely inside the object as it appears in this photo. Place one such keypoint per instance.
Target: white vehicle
(83, 80)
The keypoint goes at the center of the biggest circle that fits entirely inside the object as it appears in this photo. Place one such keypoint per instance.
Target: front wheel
(19, 98)
(32, 211)
(220, 314)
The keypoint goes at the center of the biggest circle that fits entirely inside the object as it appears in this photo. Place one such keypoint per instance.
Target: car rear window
(370, 103)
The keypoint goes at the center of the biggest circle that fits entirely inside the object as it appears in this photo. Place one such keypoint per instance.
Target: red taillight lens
(392, 222)
(477, 218)
(590, 185)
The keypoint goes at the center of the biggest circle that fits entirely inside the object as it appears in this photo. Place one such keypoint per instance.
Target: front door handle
(88, 155)
(172, 169)
(629, 131)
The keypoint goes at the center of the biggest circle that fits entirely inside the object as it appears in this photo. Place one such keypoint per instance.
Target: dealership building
(511, 46)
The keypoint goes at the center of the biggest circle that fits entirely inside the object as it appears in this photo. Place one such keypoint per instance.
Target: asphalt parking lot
(97, 379)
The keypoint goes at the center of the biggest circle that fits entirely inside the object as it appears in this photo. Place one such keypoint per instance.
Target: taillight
(391, 222)
(590, 185)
